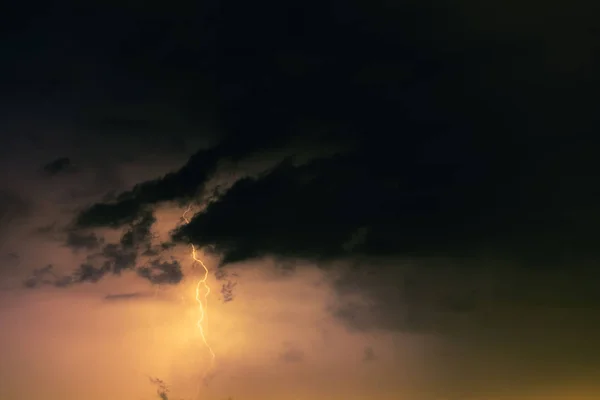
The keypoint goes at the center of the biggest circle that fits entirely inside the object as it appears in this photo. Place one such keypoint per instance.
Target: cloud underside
(114, 258)
(372, 203)
(462, 199)
(452, 153)
(465, 150)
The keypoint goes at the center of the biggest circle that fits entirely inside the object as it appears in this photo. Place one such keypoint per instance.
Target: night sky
(394, 200)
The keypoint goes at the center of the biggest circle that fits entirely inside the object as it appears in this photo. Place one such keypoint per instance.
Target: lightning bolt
(202, 300)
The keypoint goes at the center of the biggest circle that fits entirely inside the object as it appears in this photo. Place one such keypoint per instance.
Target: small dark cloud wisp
(162, 272)
(114, 258)
(59, 166)
(125, 296)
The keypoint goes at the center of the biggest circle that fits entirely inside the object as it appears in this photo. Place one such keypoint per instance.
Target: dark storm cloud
(162, 272)
(400, 206)
(140, 231)
(264, 100)
(462, 146)
(114, 258)
(89, 273)
(445, 295)
(118, 258)
(286, 213)
(86, 272)
(180, 185)
(46, 276)
(473, 133)
(155, 250)
(499, 325)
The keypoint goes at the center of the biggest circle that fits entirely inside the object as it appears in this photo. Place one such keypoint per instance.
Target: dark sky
(458, 135)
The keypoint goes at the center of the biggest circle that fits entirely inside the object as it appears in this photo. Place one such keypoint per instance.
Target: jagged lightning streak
(202, 303)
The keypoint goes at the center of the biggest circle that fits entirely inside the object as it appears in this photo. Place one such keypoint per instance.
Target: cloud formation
(114, 258)
(461, 192)
(446, 151)
(125, 296)
(160, 273)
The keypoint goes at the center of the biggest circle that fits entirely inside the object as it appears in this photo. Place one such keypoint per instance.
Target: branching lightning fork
(202, 300)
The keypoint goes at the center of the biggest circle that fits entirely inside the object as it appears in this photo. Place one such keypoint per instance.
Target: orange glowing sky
(275, 340)
(452, 143)
(278, 338)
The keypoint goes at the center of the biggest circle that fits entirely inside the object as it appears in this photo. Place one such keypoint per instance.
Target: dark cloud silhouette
(181, 185)
(458, 147)
(41, 276)
(312, 211)
(441, 295)
(311, 90)
(115, 258)
(162, 272)
(46, 276)
(140, 231)
(154, 250)
(162, 389)
(227, 291)
(125, 296)
(86, 272)
(402, 207)
(89, 273)
(60, 165)
(468, 137)
(457, 142)
(118, 258)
